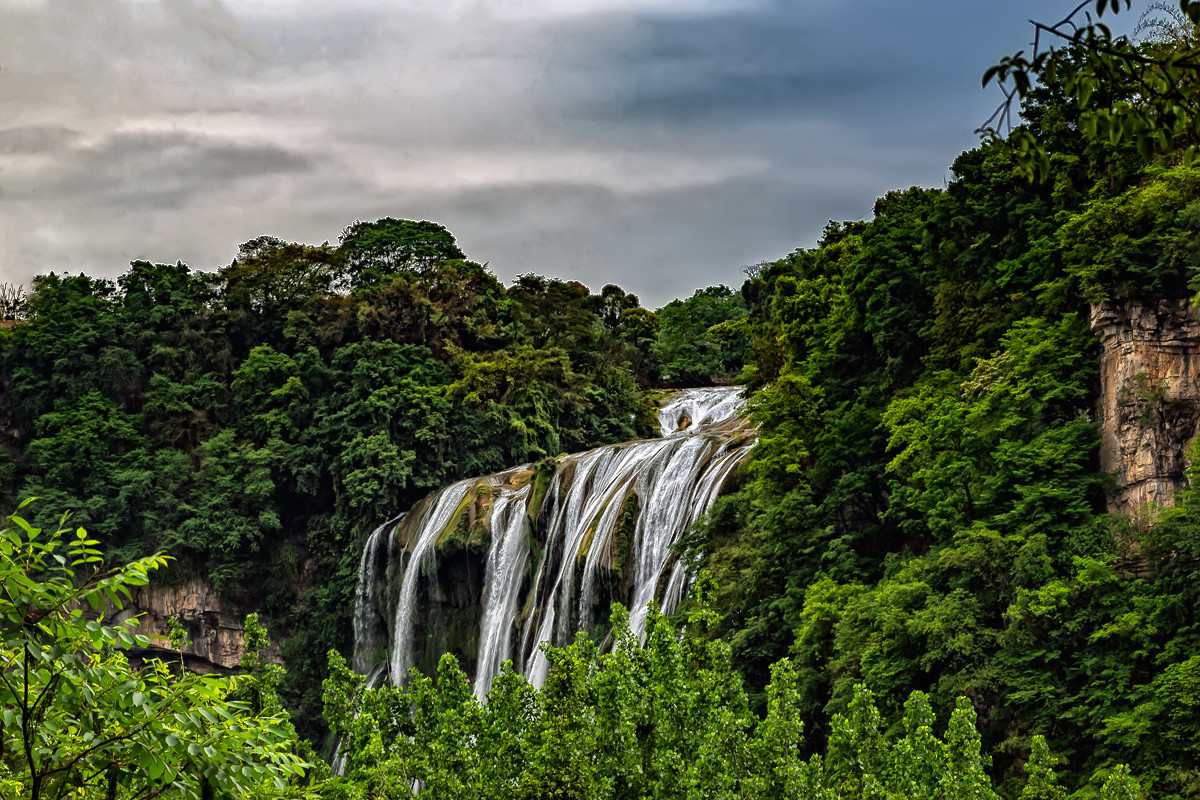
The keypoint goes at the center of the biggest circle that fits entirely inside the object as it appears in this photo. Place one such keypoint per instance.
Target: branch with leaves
(1145, 94)
(80, 721)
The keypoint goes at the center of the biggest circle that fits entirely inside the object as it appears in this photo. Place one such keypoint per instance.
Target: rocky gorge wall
(214, 625)
(1149, 404)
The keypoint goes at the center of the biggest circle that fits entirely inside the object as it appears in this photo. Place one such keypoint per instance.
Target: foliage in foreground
(81, 721)
(669, 719)
(1141, 93)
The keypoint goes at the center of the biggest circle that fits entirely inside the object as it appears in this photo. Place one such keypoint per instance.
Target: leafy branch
(79, 720)
(1144, 94)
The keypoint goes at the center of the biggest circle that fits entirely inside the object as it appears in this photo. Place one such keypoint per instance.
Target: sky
(662, 145)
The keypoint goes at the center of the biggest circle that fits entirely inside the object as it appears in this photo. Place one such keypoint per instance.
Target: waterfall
(594, 507)
(506, 562)
(366, 633)
(422, 559)
(690, 409)
(491, 567)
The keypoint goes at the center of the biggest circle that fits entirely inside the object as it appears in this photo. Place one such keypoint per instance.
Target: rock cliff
(214, 626)
(1149, 400)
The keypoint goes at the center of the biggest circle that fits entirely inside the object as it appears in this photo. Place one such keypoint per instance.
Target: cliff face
(213, 625)
(1149, 399)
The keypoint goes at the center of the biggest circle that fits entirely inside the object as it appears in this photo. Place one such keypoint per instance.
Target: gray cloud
(141, 170)
(659, 144)
(35, 139)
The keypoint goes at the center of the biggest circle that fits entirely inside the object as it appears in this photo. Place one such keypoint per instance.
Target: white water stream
(422, 559)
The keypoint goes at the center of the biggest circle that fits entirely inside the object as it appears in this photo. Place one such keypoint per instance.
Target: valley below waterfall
(490, 567)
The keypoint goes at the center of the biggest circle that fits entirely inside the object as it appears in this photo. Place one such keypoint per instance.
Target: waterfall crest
(490, 567)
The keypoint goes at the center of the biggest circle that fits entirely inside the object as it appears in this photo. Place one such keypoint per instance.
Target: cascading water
(488, 568)
(692, 409)
(366, 632)
(422, 559)
(507, 557)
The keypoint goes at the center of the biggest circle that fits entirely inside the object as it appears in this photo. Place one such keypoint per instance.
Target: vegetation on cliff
(925, 510)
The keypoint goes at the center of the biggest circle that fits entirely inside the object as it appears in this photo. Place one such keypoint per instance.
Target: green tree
(1145, 95)
(1010, 445)
(701, 340)
(1142, 242)
(80, 721)
(270, 281)
(378, 250)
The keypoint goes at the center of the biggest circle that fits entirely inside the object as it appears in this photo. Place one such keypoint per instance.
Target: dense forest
(258, 422)
(920, 541)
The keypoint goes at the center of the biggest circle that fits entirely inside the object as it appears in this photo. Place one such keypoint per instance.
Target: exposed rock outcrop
(1149, 400)
(214, 626)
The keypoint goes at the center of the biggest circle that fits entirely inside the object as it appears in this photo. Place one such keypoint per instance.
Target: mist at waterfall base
(490, 567)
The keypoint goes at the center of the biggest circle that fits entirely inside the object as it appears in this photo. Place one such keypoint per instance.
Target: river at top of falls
(555, 544)
(689, 410)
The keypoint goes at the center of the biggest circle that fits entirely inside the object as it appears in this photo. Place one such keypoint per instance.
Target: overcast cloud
(658, 144)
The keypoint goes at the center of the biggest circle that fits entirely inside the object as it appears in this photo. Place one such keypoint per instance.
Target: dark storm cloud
(732, 68)
(660, 144)
(141, 170)
(860, 62)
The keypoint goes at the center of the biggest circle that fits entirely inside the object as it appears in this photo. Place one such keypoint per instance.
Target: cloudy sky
(661, 145)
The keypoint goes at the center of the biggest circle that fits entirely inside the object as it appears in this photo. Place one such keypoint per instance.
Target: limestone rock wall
(214, 626)
(1149, 399)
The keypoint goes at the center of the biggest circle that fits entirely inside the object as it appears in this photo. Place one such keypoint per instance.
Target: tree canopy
(1144, 94)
